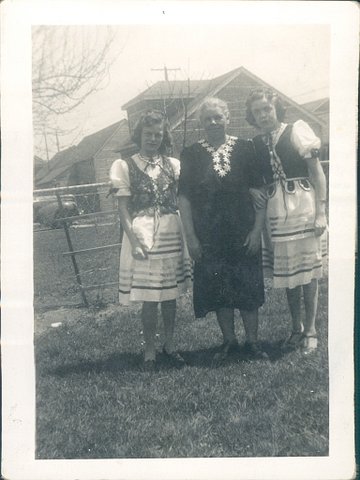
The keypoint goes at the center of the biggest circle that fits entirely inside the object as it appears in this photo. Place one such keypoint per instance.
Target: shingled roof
(315, 105)
(215, 85)
(84, 151)
(171, 89)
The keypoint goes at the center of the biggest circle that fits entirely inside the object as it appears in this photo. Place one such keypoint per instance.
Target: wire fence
(77, 241)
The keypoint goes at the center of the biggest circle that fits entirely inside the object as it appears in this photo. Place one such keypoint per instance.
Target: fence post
(71, 250)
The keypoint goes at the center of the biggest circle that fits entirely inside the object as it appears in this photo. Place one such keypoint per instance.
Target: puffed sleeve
(119, 177)
(186, 174)
(304, 139)
(175, 163)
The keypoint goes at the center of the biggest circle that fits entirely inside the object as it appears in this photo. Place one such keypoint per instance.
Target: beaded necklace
(154, 162)
(221, 156)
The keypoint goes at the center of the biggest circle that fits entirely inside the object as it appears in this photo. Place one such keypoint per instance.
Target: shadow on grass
(201, 358)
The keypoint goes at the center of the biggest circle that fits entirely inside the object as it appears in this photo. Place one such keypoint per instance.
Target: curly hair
(147, 119)
(212, 102)
(259, 94)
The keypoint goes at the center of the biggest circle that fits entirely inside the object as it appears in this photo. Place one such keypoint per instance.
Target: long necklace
(221, 156)
(270, 140)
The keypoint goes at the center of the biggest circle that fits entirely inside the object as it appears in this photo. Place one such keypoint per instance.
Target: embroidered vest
(148, 194)
(293, 164)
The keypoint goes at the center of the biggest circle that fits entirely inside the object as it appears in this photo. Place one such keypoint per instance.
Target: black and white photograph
(178, 295)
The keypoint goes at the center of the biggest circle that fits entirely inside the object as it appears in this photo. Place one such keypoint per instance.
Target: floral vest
(150, 196)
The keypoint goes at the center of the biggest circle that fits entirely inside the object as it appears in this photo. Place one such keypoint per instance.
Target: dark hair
(147, 119)
(271, 96)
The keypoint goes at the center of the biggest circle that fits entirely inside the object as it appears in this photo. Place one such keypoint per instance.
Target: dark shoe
(293, 342)
(254, 352)
(226, 350)
(149, 366)
(175, 358)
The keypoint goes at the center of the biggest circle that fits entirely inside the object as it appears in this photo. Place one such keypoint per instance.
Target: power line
(165, 70)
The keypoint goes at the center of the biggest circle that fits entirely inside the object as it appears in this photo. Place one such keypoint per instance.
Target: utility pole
(57, 141)
(47, 150)
(165, 70)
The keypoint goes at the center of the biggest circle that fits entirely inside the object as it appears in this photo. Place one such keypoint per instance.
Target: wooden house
(90, 161)
(182, 99)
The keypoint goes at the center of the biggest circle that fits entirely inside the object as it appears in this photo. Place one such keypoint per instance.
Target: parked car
(47, 211)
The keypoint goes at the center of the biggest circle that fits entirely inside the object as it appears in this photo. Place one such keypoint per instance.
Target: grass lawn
(93, 400)
(54, 278)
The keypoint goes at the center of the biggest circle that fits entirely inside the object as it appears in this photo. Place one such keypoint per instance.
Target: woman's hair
(212, 102)
(147, 119)
(259, 94)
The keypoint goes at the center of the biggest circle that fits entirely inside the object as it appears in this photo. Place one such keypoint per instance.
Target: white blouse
(304, 139)
(119, 173)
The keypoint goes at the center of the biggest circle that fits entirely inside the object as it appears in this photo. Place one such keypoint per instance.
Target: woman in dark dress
(223, 230)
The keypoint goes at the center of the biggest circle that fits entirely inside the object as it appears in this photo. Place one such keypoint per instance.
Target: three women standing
(155, 266)
(223, 228)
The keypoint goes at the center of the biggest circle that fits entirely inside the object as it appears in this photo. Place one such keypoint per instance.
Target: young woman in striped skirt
(155, 266)
(294, 242)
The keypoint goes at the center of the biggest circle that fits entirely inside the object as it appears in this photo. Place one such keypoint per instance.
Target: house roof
(173, 88)
(315, 105)
(214, 86)
(84, 151)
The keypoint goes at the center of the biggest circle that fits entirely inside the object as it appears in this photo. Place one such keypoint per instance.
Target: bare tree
(69, 64)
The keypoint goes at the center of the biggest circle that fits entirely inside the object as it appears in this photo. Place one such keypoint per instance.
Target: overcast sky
(292, 58)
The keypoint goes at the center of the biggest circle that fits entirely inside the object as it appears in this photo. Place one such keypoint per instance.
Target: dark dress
(223, 215)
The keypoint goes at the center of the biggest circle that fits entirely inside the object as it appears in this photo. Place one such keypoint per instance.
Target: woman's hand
(138, 252)
(259, 197)
(253, 242)
(320, 224)
(194, 247)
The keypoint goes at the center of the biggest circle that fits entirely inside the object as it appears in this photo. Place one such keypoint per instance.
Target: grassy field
(54, 278)
(93, 400)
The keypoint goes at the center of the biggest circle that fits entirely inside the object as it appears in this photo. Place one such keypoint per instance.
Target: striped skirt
(165, 274)
(292, 254)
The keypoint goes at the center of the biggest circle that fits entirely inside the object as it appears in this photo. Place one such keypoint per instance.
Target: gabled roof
(59, 163)
(211, 88)
(171, 89)
(84, 151)
(214, 86)
(315, 105)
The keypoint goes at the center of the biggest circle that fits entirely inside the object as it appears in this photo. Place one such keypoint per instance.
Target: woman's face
(214, 121)
(264, 113)
(151, 138)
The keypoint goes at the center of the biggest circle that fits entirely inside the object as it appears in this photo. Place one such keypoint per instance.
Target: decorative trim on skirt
(294, 263)
(164, 275)
(291, 253)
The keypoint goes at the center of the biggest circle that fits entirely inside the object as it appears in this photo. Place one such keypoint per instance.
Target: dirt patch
(60, 317)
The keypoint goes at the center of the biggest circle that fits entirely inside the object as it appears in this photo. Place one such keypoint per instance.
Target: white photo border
(18, 375)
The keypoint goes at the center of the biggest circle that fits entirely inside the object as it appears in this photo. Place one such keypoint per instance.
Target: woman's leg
(225, 318)
(251, 323)
(310, 300)
(149, 321)
(294, 301)
(168, 311)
